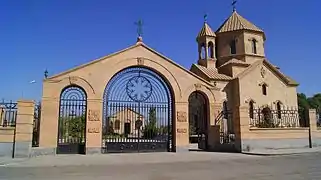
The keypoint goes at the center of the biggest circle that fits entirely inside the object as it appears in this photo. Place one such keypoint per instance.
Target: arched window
(233, 46)
(117, 124)
(203, 51)
(251, 109)
(267, 118)
(211, 50)
(254, 49)
(278, 108)
(264, 89)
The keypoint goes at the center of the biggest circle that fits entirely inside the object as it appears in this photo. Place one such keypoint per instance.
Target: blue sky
(60, 34)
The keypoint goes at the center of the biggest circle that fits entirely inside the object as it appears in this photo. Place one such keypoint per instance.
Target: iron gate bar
(8, 113)
(137, 113)
(72, 121)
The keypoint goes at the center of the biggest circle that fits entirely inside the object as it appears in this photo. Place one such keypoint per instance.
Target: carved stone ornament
(181, 130)
(93, 115)
(72, 80)
(263, 72)
(198, 86)
(181, 116)
(140, 61)
(93, 130)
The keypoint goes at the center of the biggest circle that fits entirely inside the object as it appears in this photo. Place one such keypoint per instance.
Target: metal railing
(8, 113)
(282, 118)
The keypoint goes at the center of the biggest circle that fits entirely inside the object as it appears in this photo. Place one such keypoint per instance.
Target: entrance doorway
(198, 120)
(140, 101)
(72, 121)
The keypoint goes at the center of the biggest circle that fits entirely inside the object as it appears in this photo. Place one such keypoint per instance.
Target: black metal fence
(225, 121)
(285, 117)
(8, 113)
(36, 125)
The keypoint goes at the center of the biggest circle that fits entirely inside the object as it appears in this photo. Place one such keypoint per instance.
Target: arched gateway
(137, 113)
(72, 121)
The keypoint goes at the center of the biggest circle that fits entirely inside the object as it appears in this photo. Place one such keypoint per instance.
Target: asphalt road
(242, 167)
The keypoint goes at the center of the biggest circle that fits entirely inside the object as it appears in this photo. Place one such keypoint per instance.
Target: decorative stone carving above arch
(59, 85)
(263, 83)
(249, 100)
(278, 101)
(209, 92)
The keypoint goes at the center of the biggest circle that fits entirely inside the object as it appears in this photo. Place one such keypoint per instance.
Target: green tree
(73, 127)
(150, 130)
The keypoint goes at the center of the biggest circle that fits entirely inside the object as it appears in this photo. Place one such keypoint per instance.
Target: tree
(73, 127)
(150, 130)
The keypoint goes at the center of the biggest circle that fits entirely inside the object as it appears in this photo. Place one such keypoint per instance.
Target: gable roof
(211, 73)
(287, 80)
(235, 62)
(122, 51)
(237, 22)
(206, 31)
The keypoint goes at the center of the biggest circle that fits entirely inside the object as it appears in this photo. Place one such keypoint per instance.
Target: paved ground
(167, 166)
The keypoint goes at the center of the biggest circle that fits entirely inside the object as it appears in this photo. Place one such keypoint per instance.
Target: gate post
(94, 126)
(181, 124)
(24, 129)
(313, 128)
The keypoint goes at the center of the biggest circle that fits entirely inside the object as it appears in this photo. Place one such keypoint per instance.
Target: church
(138, 100)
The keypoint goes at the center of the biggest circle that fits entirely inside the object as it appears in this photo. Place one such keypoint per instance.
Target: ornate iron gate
(72, 121)
(137, 113)
(198, 119)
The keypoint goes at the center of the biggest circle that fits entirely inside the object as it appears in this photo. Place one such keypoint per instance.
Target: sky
(58, 35)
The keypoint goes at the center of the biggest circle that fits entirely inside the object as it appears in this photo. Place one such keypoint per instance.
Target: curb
(280, 153)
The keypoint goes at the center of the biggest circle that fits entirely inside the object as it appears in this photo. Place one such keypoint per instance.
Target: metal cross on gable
(234, 5)
(139, 25)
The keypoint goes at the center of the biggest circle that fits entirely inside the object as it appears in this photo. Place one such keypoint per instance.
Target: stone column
(214, 129)
(1, 115)
(241, 126)
(94, 126)
(313, 128)
(49, 125)
(24, 128)
(181, 127)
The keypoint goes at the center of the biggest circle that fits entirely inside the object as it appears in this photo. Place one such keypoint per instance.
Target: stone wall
(262, 139)
(17, 141)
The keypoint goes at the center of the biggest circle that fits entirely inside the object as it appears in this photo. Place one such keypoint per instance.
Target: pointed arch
(211, 49)
(279, 109)
(254, 46)
(251, 109)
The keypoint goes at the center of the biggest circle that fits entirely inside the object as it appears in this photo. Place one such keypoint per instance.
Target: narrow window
(251, 109)
(254, 49)
(203, 50)
(278, 108)
(264, 89)
(233, 46)
(211, 49)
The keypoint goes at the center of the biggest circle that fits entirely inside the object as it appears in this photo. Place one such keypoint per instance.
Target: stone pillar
(24, 128)
(1, 115)
(241, 126)
(94, 127)
(313, 128)
(181, 127)
(49, 125)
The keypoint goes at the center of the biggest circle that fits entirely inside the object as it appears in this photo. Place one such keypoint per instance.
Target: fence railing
(282, 118)
(36, 125)
(8, 113)
(225, 121)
